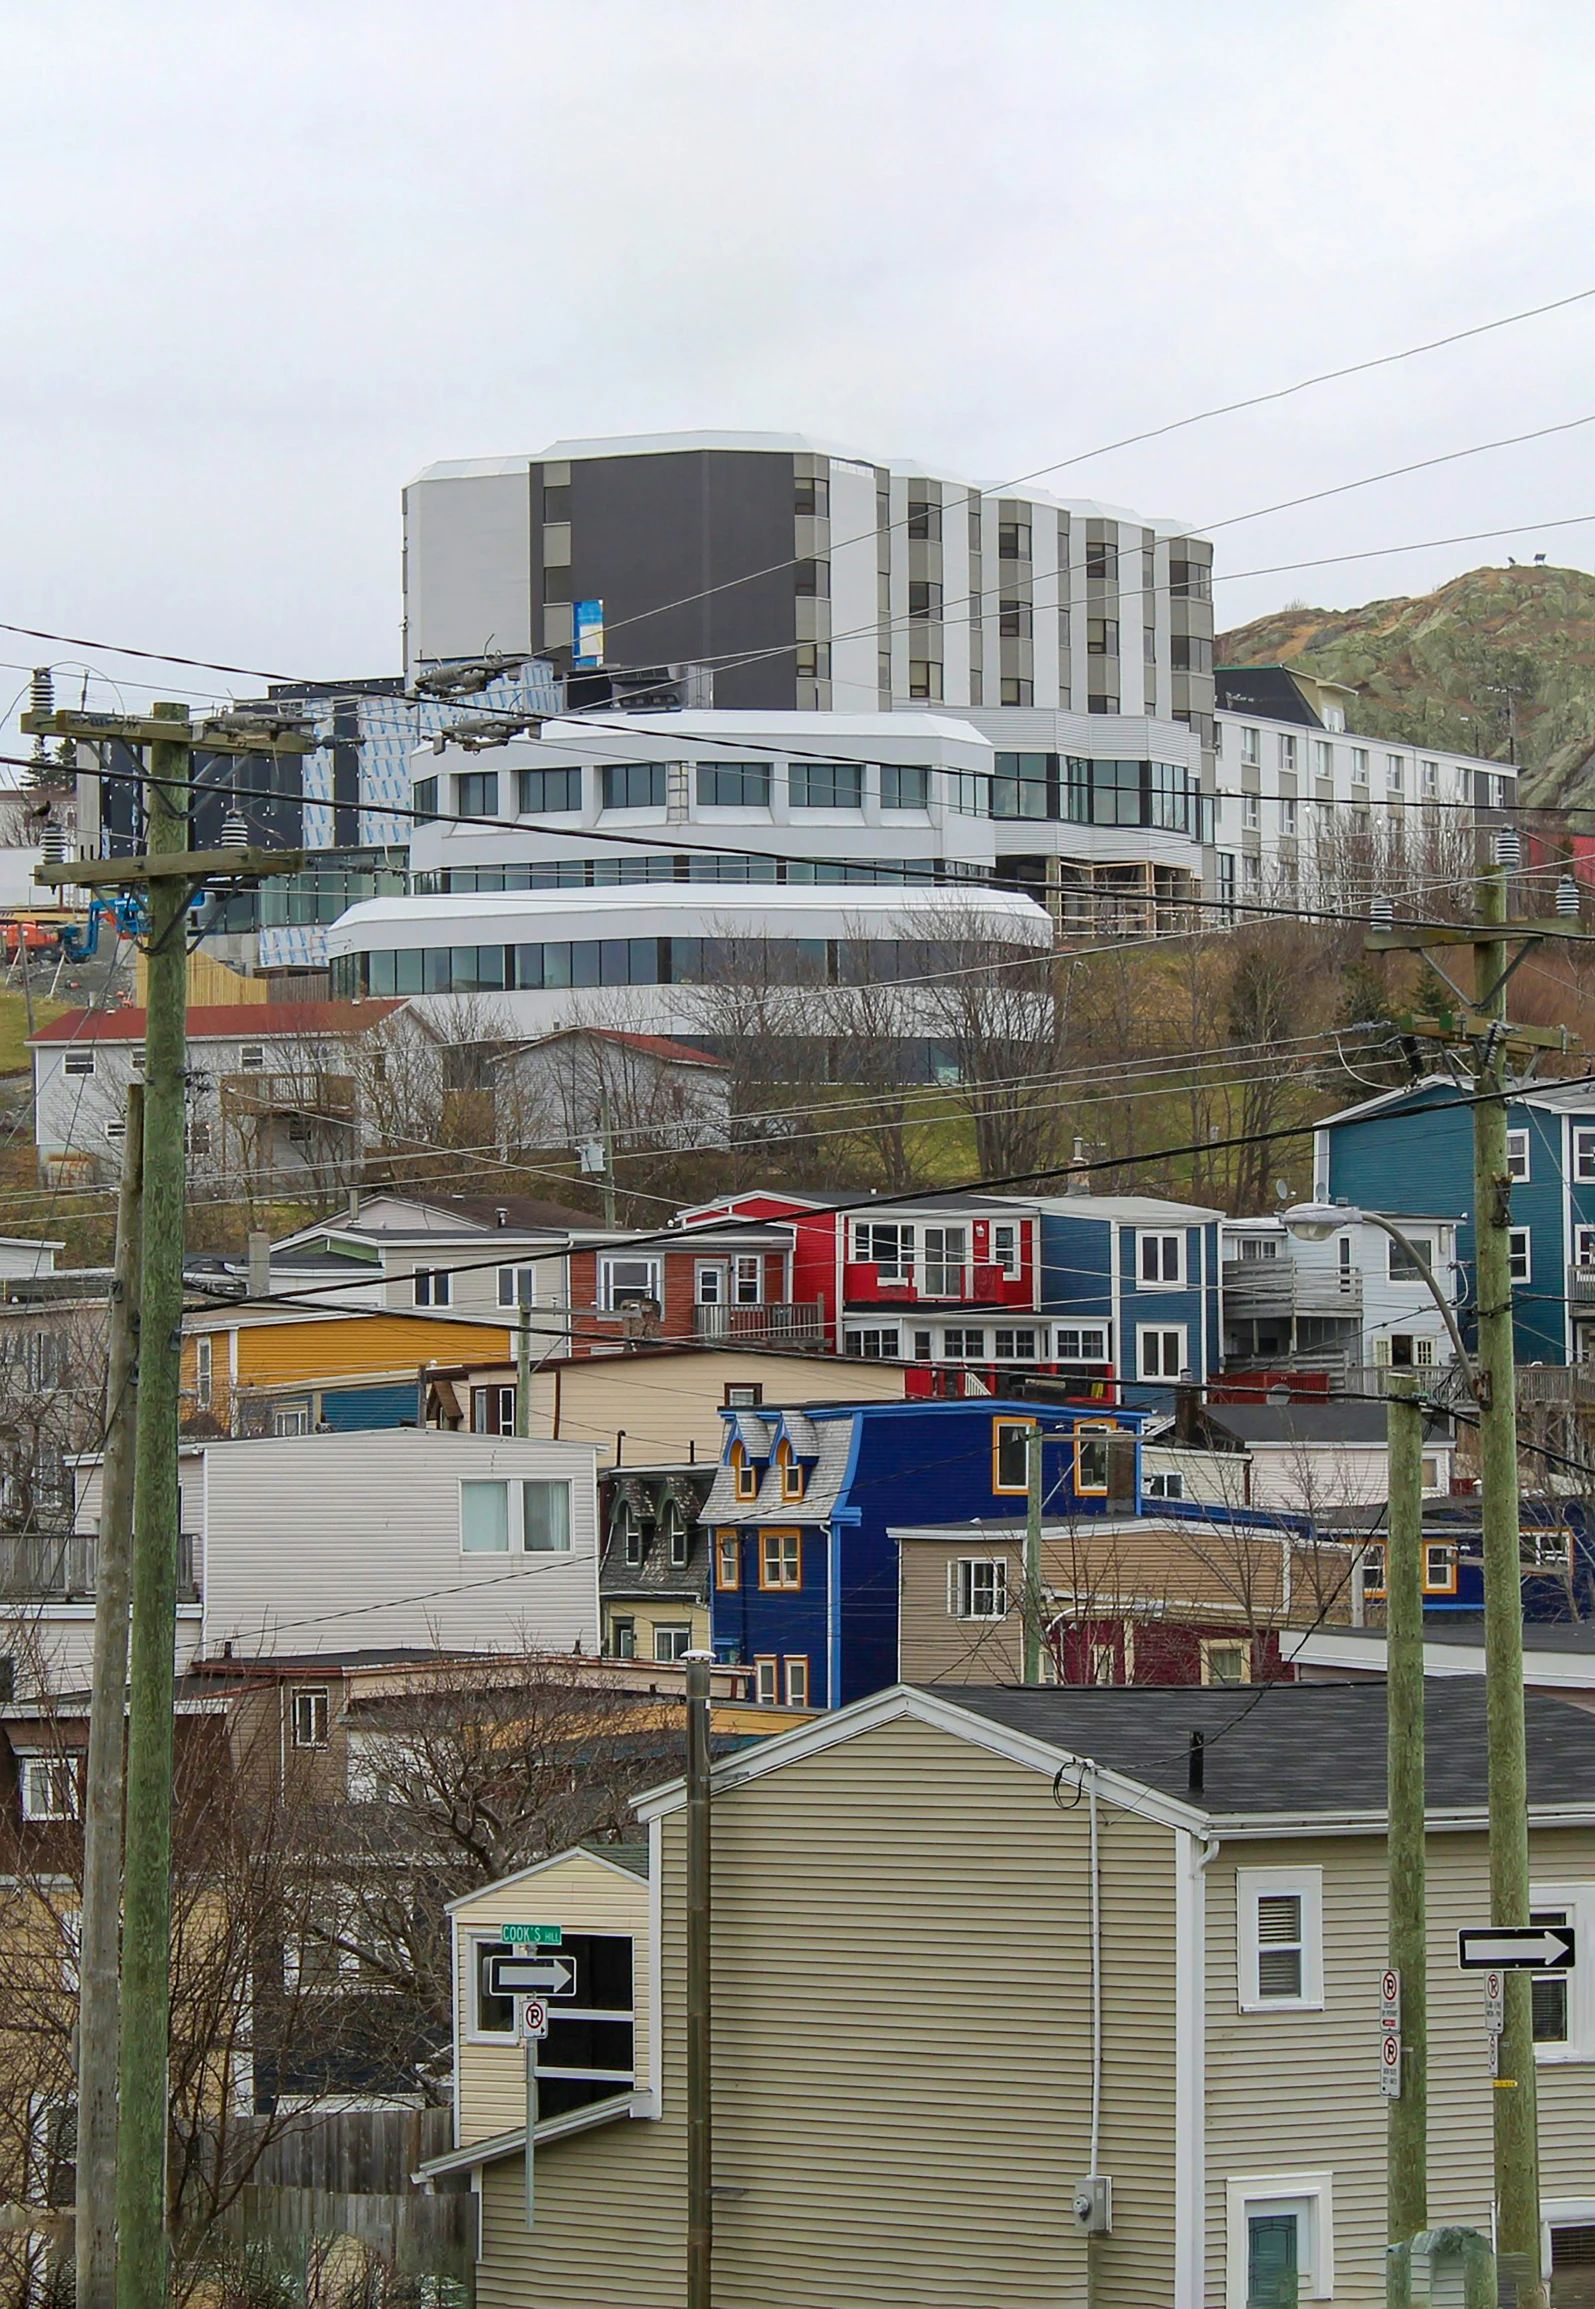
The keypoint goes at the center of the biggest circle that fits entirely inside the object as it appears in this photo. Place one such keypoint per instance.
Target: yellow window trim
(780, 1586)
(1083, 1428)
(722, 1541)
(1007, 1490)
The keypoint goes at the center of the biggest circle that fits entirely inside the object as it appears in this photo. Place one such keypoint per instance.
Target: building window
(1091, 1462)
(1359, 765)
(49, 1787)
(1584, 1156)
(963, 1345)
(202, 1373)
(517, 1286)
(633, 785)
(977, 1587)
(1224, 1661)
(492, 1410)
(489, 1512)
(811, 499)
(1251, 749)
(1563, 2003)
(623, 1639)
(743, 1394)
(734, 785)
(425, 797)
(476, 794)
(1430, 773)
(924, 600)
(1164, 1483)
(1017, 690)
(924, 678)
(1279, 2240)
(812, 579)
(1016, 619)
(1013, 541)
(311, 1713)
(677, 1538)
(1517, 1154)
(1518, 1257)
(1439, 1565)
(728, 1561)
(1288, 823)
(767, 1679)
(744, 1474)
(797, 1680)
(873, 1345)
(78, 1062)
(432, 1286)
(545, 792)
(825, 785)
(290, 1419)
(780, 1559)
(1281, 1939)
(889, 1250)
(1005, 1250)
(1014, 1346)
(1402, 1266)
(1287, 750)
(1160, 1351)
(905, 786)
(628, 1530)
(625, 1281)
(1323, 758)
(1080, 1343)
(1395, 774)
(672, 1641)
(1160, 1258)
(791, 1471)
(1102, 637)
(924, 518)
(811, 661)
(945, 1259)
(1010, 1454)
(252, 1057)
(1251, 812)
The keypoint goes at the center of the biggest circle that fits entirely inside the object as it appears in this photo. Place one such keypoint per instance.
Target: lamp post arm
(1396, 1235)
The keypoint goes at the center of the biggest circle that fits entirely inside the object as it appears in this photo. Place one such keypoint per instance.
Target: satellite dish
(1282, 1189)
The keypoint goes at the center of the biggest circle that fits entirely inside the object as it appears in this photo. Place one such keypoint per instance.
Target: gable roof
(649, 1045)
(222, 1022)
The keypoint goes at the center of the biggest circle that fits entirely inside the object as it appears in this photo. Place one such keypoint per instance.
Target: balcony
(1581, 1287)
(1278, 1289)
(797, 1323)
(57, 1567)
(957, 1283)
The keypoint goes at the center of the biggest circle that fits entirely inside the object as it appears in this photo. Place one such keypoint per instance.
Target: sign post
(1390, 2033)
(531, 2130)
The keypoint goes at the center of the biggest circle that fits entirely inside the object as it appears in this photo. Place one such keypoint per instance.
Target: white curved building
(669, 958)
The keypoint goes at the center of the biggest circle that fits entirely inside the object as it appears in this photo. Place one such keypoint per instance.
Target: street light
(1406, 2145)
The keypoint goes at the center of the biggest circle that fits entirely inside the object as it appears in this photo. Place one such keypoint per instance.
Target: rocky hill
(1496, 657)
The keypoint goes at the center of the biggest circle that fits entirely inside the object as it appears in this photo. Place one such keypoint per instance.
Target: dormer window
(744, 1475)
(791, 1472)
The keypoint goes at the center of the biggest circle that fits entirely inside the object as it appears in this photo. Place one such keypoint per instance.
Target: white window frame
(204, 1369)
(1161, 1332)
(77, 1062)
(1562, 2213)
(57, 1771)
(311, 1694)
(1584, 1246)
(1288, 823)
(671, 1632)
(1306, 1885)
(1007, 1255)
(1287, 749)
(881, 1333)
(1311, 2197)
(509, 1284)
(1085, 1332)
(606, 1281)
(475, 2033)
(1251, 746)
(1579, 1902)
(1584, 1156)
(961, 1587)
(1251, 812)
(1359, 765)
(431, 1287)
(1524, 1272)
(1395, 774)
(1206, 1646)
(1162, 1236)
(1517, 1155)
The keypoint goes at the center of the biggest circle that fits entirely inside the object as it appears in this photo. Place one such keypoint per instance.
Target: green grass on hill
(14, 1028)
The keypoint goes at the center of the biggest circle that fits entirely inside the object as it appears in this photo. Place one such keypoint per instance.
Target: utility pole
(1031, 1618)
(700, 2137)
(99, 1952)
(171, 874)
(1479, 1025)
(607, 1136)
(523, 1353)
(1407, 2124)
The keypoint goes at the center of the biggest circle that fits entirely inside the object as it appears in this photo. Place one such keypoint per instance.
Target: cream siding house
(969, 1949)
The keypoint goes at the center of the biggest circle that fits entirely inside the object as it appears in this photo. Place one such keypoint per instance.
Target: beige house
(971, 1950)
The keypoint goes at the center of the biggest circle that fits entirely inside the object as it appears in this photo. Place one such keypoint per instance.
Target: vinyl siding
(278, 1353)
(669, 1406)
(1300, 2091)
(902, 2055)
(583, 1894)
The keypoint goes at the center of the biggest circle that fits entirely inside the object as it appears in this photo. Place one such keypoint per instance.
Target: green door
(1271, 2261)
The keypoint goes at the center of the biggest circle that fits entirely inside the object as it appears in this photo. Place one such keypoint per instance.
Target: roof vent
(501, 1217)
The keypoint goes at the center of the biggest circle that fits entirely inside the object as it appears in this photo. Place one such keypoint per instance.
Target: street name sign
(1517, 1948)
(531, 1976)
(533, 1935)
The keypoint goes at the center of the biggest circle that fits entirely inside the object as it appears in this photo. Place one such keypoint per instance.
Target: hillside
(1452, 667)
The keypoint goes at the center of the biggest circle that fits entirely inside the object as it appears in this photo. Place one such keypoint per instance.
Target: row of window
(1078, 790)
(78, 1060)
(519, 1515)
(721, 785)
(694, 866)
(1428, 777)
(578, 962)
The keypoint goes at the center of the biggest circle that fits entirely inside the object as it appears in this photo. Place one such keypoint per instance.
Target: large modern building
(807, 576)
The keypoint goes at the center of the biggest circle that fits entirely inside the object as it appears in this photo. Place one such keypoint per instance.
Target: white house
(1356, 1302)
(579, 1085)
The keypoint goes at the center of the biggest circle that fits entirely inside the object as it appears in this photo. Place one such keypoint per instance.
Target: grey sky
(265, 261)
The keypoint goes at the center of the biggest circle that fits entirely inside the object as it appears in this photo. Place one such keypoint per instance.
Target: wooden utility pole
(99, 1952)
(700, 2148)
(1407, 2125)
(1030, 1623)
(171, 874)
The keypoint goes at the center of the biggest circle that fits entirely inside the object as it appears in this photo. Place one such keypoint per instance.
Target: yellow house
(263, 1371)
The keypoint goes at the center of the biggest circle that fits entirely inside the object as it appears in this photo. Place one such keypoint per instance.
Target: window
(1013, 541)
(488, 1513)
(202, 1373)
(426, 800)
(1160, 1258)
(1102, 637)
(544, 792)
(797, 1680)
(924, 518)
(517, 1286)
(1518, 1256)
(1287, 815)
(1081, 1343)
(1550, 2000)
(290, 1419)
(623, 1639)
(672, 1641)
(628, 1530)
(1359, 765)
(310, 1710)
(623, 1280)
(476, 794)
(252, 1057)
(780, 1559)
(727, 1561)
(811, 660)
(1323, 758)
(588, 2052)
(1251, 748)
(1251, 812)
(734, 785)
(1160, 1351)
(1005, 1250)
(766, 1680)
(1091, 1462)
(78, 1062)
(977, 1587)
(1517, 1154)
(744, 1473)
(1584, 1246)
(1279, 2240)
(946, 1254)
(962, 1345)
(744, 1394)
(1403, 1267)
(432, 1286)
(676, 1536)
(812, 579)
(747, 1279)
(1010, 1454)
(1439, 1567)
(873, 1346)
(924, 678)
(905, 786)
(889, 1250)
(825, 785)
(924, 600)
(1104, 1660)
(633, 785)
(492, 2015)
(1281, 1939)
(1287, 750)
(1395, 774)
(1014, 1346)
(1015, 619)
(1584, 1156)
(1430, 773)
(1224, 1662)
(1019, 690)
(49, 1787)
(791, 1471)
(811, 498)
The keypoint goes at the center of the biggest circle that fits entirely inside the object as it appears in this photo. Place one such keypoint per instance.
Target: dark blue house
(1135, 1283)
(805, 1581)
(1412, 1150)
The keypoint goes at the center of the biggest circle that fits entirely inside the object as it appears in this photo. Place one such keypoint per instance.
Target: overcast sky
(264, 261)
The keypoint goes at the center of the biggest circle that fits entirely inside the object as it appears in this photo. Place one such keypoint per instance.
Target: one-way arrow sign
(1517, 1948)
(531, 1976)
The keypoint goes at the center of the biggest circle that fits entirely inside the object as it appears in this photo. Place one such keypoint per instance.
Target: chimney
(259, 1264)
(1196, 1765)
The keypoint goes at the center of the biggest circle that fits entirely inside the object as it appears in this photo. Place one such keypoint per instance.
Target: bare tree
(1000, 1017)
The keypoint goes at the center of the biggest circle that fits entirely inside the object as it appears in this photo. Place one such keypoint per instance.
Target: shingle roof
(223, 1022)
(1292, 1748)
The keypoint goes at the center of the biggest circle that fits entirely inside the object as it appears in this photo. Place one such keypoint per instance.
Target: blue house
(805, 1581)
(1412, 1150)
(1138, 1281)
